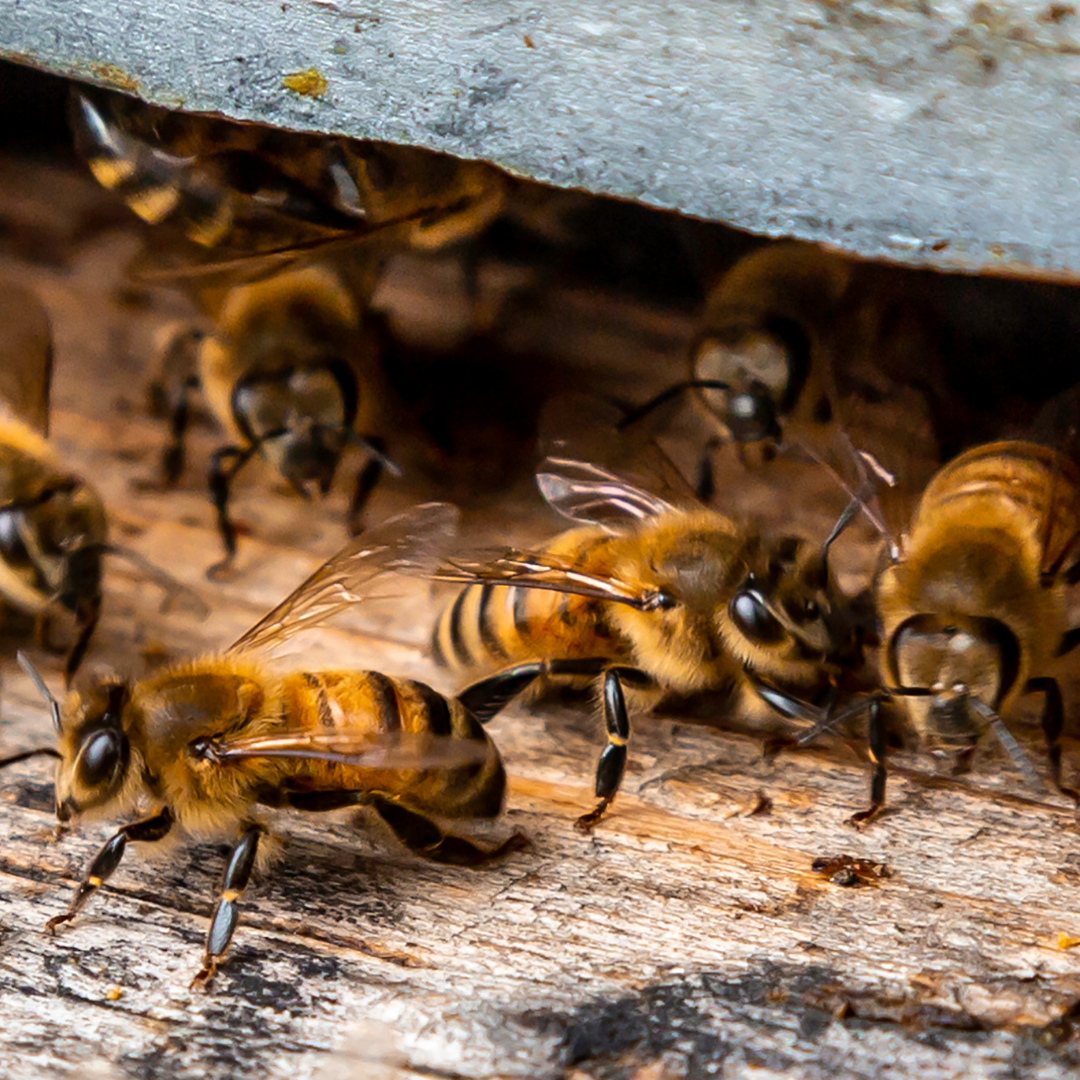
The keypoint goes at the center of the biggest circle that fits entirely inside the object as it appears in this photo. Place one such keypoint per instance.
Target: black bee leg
(1070, 639)
(174, 456)
(422, 836)
(220, 478)
(108, 859)
(226, 915)
(366, 479)
(1053, 719)
(612, 763)
(877, 751)
(488, 697)
(705, 487)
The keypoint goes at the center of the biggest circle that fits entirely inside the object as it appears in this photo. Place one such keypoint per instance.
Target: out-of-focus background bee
(652, 596)
(53, 531)
(208, 746)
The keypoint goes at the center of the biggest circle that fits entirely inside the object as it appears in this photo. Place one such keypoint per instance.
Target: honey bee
(291, 372)
(207, 747)
(53, 530)
(972, 607)
(247, 189)
(649, 595)
(791, 335)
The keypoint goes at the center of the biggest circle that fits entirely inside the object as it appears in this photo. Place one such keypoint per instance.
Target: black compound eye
(754, 620)
(102, 754)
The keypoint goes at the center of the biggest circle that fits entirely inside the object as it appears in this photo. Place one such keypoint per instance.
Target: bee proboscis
(208, 747)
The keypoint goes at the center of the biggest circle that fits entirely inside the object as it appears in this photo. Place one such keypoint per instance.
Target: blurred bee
(208, 746)
(973, 610)
(791, 334)
(244, 188)
(291, 372)
(651, 596)
(53, 529)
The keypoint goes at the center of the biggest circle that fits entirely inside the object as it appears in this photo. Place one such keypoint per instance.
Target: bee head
(95, 752)
(764, 364)
(300, 417)
(958, 659)
(792, 613)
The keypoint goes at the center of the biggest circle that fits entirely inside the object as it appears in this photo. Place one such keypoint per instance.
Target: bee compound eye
(750, 614)
(101, 757)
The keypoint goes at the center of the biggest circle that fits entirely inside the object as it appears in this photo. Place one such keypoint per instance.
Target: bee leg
(705, 486)
(174, 456)
(226, 915)
(366, 479)
(877, 751)
(1053, 719)
(488, 697)
(422, 836)
(612, 763)
(108, 859)
(220, 478)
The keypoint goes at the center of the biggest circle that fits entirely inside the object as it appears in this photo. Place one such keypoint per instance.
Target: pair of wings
(416, 544)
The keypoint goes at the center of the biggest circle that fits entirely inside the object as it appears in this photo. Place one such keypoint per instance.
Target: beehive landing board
(687, 937)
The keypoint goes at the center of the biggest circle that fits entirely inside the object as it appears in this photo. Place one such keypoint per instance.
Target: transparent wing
(541, 570)
(589, 493)
(411, 543)
(26, 355)
(399, 750)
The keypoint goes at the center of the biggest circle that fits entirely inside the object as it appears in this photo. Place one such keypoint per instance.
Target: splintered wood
(721, 921)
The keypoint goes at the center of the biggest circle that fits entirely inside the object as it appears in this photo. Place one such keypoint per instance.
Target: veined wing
(542, 570)
(397, 750)
(26, 355)
(588, 493)
(411, 544)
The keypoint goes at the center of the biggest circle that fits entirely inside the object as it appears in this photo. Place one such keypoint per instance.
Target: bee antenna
(43, 690)
(1008, 741)
(41, 751)
(174, 590)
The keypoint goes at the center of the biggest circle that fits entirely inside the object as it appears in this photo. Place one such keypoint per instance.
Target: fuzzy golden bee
(209, 747)
(972, 608)
(53, 530)
(649, 595)
(291, 372)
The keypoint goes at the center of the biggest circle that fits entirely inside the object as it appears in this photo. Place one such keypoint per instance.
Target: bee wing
(411, 543)
(397, 750)
(542, 570)
(589, 493)
(26, 355)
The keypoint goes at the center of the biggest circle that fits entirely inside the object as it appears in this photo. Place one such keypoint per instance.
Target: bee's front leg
(108, 859)
(226, 915)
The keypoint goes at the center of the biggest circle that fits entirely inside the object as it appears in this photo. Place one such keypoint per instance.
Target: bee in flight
(52, 523)
(972, 606)
(646, 595)
(208, 747)
(300, 227)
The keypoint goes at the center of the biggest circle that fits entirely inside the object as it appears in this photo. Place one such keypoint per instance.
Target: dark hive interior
(689, 934)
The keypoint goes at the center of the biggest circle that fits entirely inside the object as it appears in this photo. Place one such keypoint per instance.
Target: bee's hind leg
(366, 480)
(422, 836)
(220, 480)
(226, 915)
(1053, 720)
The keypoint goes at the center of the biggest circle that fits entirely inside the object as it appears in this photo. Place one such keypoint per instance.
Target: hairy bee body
(680, 601)
(701, 556)
(172, 719)
(973, 608)
(977, 598)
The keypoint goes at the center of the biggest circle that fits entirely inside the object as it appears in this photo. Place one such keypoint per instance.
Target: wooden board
(688, 937)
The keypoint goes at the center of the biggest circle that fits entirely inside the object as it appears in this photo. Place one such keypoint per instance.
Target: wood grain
(687, 937)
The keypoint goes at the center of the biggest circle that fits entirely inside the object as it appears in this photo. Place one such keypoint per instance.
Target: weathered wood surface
(688, 937)
(937, 134)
